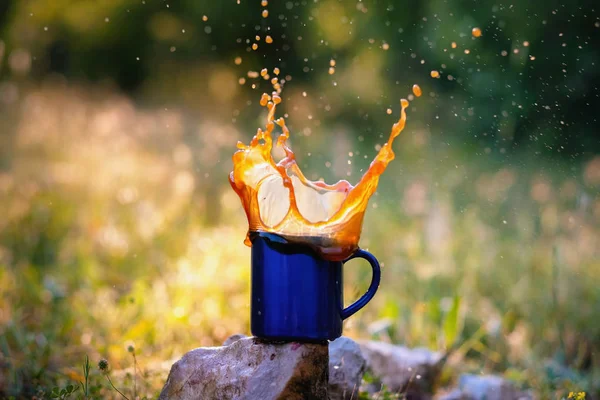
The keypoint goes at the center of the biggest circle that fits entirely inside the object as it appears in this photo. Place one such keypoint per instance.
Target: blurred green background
(118, 228)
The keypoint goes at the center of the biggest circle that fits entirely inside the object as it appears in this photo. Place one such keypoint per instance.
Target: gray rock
(346, 369)
(233, 338)
(250, 369)
(400, 369)
(490, 387)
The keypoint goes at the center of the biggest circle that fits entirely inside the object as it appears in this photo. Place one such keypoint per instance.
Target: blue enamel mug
(298, 296)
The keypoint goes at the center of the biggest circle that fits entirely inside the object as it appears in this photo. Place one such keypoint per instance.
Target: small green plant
(382, 394)
(104, 367)
(85, 385)
(66, 392)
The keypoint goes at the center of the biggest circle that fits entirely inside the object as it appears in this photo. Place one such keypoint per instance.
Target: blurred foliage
(529, 83)
(117, 227)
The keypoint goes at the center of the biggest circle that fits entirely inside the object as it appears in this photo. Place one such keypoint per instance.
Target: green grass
(115, 233)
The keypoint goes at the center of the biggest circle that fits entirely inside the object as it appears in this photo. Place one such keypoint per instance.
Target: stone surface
(346, 369)
(490, 387)
(250, 369)
(233, 338)
(400, 369)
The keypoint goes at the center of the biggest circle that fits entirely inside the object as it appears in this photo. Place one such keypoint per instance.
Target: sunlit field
(121, 238)
(116, 232)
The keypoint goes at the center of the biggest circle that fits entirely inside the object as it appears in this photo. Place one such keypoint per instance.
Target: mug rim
(284, 243)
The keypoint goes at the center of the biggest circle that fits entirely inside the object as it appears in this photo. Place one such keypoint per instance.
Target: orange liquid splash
(279, 199)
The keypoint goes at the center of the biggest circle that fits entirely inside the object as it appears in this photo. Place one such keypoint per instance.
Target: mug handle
(360, 303)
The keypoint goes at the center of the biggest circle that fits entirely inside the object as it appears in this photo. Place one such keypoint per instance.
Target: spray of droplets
(268, 38)
(476, 32)
(331, 66)
(274, 79)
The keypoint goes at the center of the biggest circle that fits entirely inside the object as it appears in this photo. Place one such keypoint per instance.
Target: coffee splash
(278, 198)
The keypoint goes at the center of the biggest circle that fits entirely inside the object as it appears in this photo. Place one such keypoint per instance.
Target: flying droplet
(265, 13)
(269, 39)
(417, 90)
(238, 60)
(204, 18)
(476, 32)
(263, 72)
(331, 70)
(254, 46)
(389, 111)
(435, 74)
(264, 99)
(454, 45)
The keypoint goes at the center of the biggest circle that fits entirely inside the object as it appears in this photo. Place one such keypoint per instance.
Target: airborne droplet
(416, 90)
